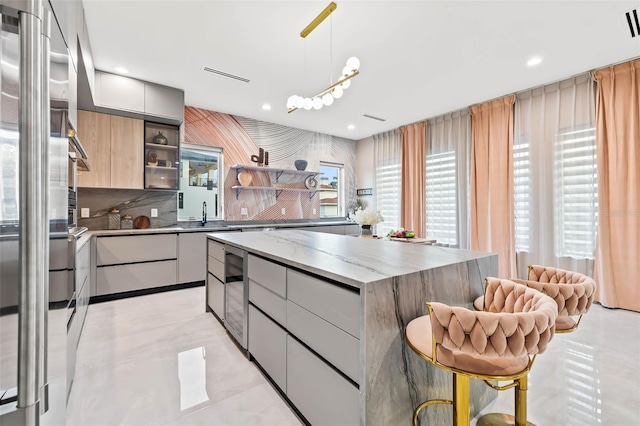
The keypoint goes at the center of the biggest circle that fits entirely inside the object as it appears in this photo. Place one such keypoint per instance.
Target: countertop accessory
(311, 182)
(127, 222)
(300, 164)
(245, 178)
(160, 139)
(114, 218)
(142, 222)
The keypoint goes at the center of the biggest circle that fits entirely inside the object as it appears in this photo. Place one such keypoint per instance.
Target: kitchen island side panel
(394, 379)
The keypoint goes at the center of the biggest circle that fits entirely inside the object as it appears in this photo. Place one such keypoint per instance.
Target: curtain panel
(448, 163)
(413, 177)
(492, 192)
(555, 176)
(387, 157)
(617, 265)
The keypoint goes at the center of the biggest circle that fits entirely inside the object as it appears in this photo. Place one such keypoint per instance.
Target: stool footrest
(425, 404)
(499, 419)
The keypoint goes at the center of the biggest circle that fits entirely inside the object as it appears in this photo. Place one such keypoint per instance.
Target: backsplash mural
(240, 138)
(134, 202)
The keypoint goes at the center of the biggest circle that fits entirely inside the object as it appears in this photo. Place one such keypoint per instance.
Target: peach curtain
(617, 265)
(492, 216)
(413, 214)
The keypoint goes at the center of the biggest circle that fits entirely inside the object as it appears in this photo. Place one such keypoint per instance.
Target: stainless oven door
(235, 294)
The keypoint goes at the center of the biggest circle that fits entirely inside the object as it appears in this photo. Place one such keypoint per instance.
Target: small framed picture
(162, 163)
(359, 192)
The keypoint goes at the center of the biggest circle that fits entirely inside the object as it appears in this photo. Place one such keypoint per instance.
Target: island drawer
(321, 394)
(216, 250)
(268, 274)
(215, 295)
(339, 306)
(268, 345)
(138, 248)
(336, 346)
(215, 267)
(272, 304)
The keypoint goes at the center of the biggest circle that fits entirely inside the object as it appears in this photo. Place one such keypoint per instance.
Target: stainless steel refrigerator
(35, 309)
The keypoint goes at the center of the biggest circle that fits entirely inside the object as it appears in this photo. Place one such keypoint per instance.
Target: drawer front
(118, 279)
(215, 267)
(336, 346)
(215, 295)
(82, 265)
(138, 248)
(268, 275)
(268, 345)
(82, 302)
(337, 305)
(58, 254)
(322, 395)
(216, 250)
(274, 305)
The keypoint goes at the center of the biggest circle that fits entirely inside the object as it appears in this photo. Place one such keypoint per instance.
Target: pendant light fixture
(335, 91)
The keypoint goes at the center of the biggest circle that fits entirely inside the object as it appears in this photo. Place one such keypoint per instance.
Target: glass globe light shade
(337, 92)
(327, 99)
(291, 101)
(353, 63)
(307, 103)
(317, 103)
(346, 71)
(346, 84)
(298, 102)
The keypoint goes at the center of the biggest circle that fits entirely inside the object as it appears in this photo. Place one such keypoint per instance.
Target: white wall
(365, 171)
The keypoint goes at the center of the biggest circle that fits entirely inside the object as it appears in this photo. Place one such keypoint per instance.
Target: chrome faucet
(204, 213)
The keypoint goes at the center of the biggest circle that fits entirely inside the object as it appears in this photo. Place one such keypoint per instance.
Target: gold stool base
(498, 419)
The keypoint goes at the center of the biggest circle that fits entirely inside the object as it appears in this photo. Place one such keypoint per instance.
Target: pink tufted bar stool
(572, 291)
(500, 344)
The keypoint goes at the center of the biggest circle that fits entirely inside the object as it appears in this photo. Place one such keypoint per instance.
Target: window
(331, 191)
(522, 192)
(442, 218)
(200, 181)
(388, 181)
(576, 193)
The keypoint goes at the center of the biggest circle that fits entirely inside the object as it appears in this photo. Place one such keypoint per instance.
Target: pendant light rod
(330, 88)
(318, 19)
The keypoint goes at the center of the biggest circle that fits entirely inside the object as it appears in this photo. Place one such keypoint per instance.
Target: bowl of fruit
(401, 233)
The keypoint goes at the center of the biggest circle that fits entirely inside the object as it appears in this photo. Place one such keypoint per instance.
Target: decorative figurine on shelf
(300, 164)
(160, 139)
(262, 159)
(152, 159)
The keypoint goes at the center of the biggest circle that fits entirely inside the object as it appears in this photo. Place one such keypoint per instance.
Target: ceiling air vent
(373, 118)
(634, 23)
(224, 74)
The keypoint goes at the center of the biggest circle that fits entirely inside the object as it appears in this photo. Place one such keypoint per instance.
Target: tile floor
(161, 360)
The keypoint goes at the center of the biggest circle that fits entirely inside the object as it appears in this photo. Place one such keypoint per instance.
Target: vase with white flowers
(366, 219)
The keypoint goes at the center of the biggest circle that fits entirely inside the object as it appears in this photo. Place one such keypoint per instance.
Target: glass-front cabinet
(161, 156)
(201, 185)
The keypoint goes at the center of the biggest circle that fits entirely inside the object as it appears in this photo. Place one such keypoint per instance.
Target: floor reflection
(192, 373)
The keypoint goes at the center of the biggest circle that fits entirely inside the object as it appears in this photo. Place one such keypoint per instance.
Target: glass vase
(366, 230)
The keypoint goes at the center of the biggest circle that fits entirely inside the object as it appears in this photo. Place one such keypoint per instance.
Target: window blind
(441, 198)
(522, 192)
(388, 197)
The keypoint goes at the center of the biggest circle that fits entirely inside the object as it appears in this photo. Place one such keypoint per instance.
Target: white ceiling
(418, 59)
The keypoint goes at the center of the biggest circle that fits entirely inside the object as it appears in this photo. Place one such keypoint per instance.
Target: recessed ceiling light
(122, 70)
(351, 127)
(266, 107)
(534, 61)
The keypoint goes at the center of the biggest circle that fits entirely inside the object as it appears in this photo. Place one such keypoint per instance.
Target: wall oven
(236, 294)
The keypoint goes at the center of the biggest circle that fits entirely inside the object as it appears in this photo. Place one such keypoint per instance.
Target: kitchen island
(327, 315)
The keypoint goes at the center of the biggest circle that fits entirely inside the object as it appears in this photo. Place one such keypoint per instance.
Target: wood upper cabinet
(127, 153)
(115, 148)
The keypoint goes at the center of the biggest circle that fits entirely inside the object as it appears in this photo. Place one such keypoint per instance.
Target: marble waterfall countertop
(350, 260)
(394, 281)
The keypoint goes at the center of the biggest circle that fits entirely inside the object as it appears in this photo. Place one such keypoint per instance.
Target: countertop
(349, 260)
(213, 228)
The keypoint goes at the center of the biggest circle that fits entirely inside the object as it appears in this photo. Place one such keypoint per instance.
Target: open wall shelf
(278, 191)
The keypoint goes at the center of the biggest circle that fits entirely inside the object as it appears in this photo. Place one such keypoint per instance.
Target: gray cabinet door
(136, 248)
(192, 257)
(268, 345)
(162, 101)
(322, 395)
(118, 92)
(268, 274)
(215, 295)
(138, 276)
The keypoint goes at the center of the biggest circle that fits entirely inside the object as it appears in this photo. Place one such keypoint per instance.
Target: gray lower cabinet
(352, 229)
(136, 276)
(268, 345)
(271, 303)
(192, 256)
(321, 394)
(215, 295)
(136, 248)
